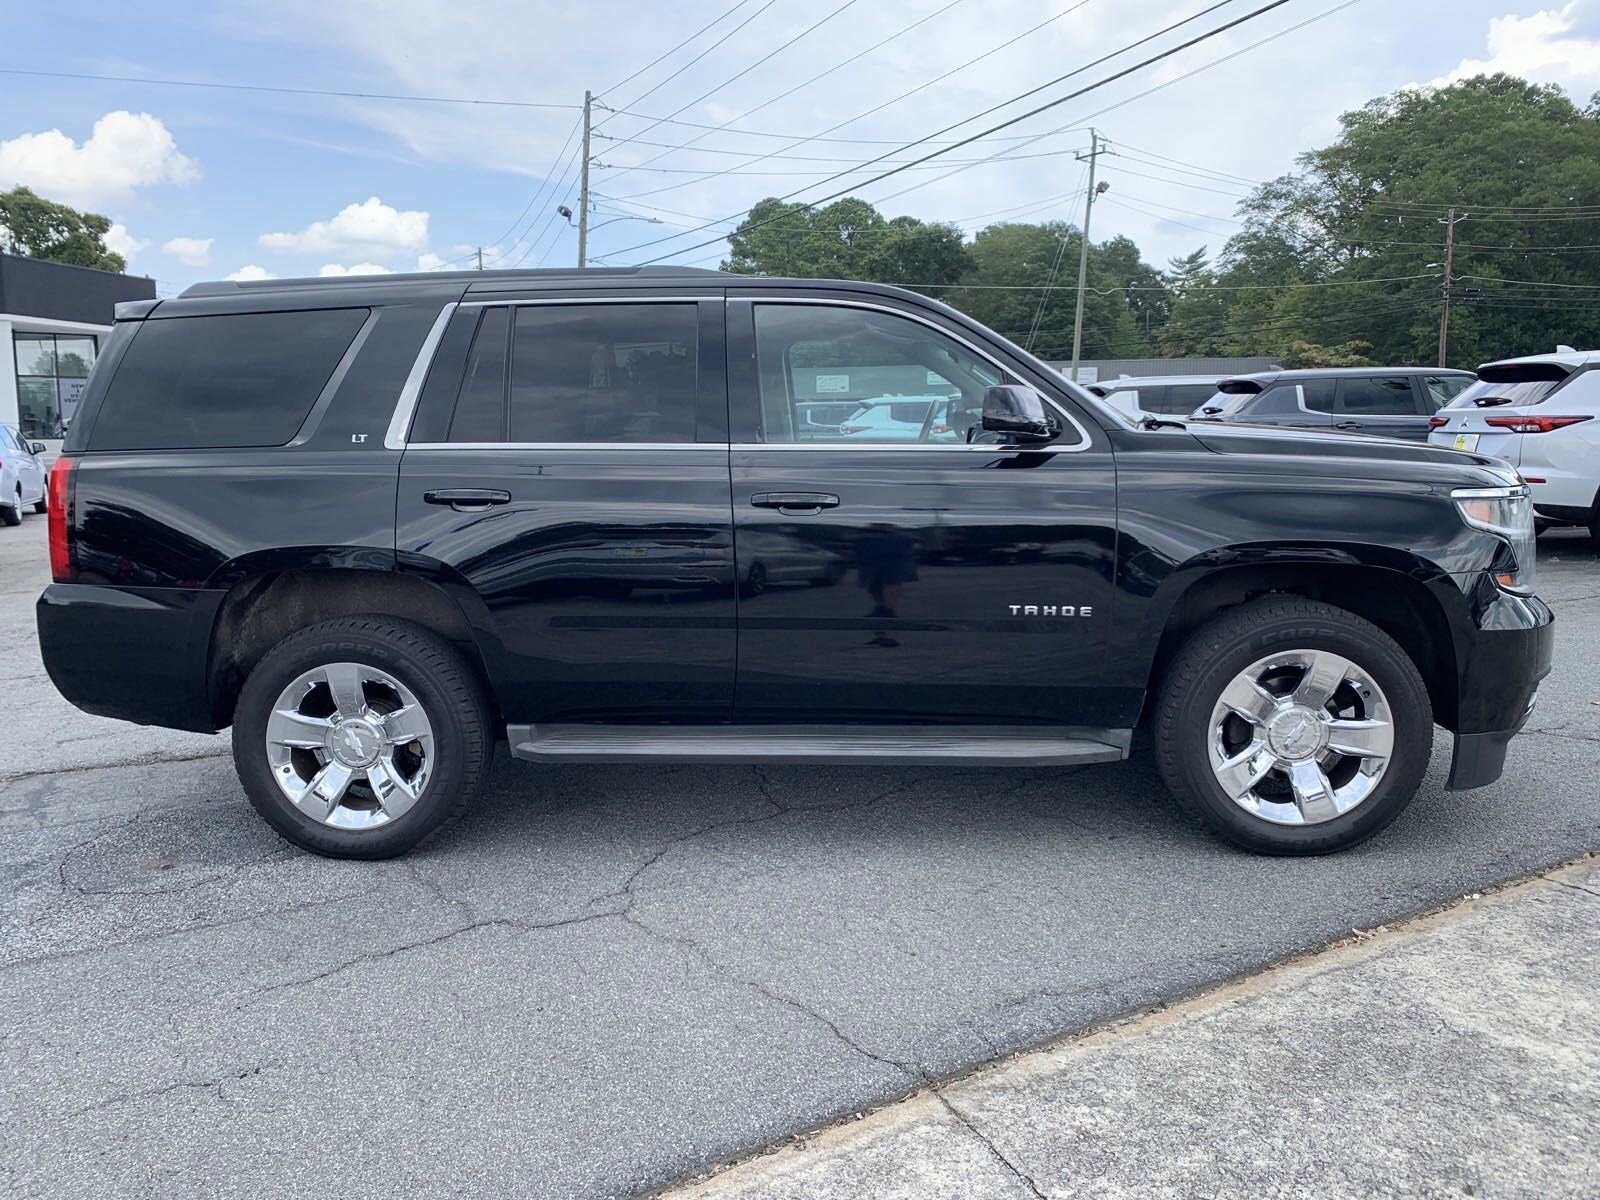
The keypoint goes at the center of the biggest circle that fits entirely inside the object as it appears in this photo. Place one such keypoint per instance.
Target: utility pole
(1096, 148)
(1449, 263)
(480, 258)
(583, 188)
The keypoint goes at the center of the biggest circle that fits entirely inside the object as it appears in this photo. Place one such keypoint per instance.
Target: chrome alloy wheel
(1301, 737)
(350, 745)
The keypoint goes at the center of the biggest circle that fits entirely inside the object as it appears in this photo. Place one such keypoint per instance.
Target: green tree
(1303, 355)
(1023, 283)
(1199, 317)
(1518, 161)
(848, 239)
(40, 228)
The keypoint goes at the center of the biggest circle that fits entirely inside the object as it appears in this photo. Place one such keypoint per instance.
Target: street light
(614, 220)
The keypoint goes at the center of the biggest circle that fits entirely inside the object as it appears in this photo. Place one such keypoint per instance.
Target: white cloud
(370, 228)
(246, 273)
(119, 241)
(123, 152)
(191, 252)
(1542, 47)
(431, 262)
(331, 269)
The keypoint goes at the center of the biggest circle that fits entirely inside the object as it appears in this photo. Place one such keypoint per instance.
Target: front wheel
(359, 737)
(11, 513)
(1288, 726)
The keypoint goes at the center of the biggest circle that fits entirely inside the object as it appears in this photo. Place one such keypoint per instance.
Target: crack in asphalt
(137, 761)
(1017, 1172)
(1568, 737)
(183, 1085)
(515, 923)
(146, 939)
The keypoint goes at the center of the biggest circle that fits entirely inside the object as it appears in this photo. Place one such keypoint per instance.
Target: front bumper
(1499, 667)
(136, 654)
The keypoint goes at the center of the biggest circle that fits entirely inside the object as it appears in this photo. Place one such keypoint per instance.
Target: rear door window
(1282, 400)
(1377, 396)
(603, 373)
(243, 379)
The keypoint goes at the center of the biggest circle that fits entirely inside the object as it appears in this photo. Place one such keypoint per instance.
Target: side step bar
(876, 745)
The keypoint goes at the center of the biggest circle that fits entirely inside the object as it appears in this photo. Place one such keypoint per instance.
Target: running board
(877, 745)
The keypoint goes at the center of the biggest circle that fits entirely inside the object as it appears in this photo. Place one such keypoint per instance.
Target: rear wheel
(1287, 726)
(42, 504)
(359, 737)
(11, 513)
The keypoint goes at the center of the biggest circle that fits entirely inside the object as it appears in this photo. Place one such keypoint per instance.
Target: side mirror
(1019, 411)
(35, 447)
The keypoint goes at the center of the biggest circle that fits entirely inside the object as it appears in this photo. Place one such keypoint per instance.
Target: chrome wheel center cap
(1297, 733)
(355, 742)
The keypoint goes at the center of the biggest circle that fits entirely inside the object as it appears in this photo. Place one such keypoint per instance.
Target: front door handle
(467, 499)
(798, 503)
(1349, 425)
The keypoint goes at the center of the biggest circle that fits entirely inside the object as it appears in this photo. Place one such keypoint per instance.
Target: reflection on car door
(962, 581)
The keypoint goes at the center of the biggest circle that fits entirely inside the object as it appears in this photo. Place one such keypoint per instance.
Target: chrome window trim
(509, 303)
(1084, 442)
(405, 407)
(411, 390)
(629, 446)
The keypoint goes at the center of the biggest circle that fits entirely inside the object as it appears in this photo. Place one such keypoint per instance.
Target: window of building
(52, 369)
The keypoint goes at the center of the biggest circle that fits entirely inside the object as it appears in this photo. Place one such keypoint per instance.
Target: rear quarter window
(243, 379)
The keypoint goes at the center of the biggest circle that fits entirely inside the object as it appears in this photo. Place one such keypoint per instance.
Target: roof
(1135, 381)
(1346, 373)
(1565, 355)
(558, 276)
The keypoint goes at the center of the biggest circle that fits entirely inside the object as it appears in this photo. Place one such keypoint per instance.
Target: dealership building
(53, 320)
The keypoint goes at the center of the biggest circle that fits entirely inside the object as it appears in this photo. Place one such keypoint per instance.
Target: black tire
(42, 504)
(1594, 528)
(1218, 652)
(11, 513)
(448, 690)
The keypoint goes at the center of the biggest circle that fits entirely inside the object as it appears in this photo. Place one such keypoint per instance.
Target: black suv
(375, 524)
(1383, 401)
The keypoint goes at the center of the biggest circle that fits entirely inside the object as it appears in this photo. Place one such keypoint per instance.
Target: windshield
(1485, 394)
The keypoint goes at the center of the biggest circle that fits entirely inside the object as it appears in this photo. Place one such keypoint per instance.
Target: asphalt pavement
(608, 978)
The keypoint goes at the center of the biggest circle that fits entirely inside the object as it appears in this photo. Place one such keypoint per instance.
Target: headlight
(1506, 512)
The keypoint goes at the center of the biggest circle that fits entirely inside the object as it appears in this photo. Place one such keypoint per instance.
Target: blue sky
(203, 183)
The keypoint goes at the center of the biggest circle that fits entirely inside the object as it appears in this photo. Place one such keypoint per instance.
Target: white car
(1541, 414)
(900, 419)
(1157, 396)
(22, 476)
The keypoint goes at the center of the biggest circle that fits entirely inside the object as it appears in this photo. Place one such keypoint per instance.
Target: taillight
(940, 429)
(1438, 422)
(1527, 424)
(854, 428)
(59, 501)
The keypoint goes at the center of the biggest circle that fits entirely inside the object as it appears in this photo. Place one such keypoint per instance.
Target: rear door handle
(1349, 425)
(467, 499)
(795, 502)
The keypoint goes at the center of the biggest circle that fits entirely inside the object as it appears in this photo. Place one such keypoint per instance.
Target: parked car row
(22, 476)
(1541, 414)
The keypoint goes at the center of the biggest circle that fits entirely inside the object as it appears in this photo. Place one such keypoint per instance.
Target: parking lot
(605, 978)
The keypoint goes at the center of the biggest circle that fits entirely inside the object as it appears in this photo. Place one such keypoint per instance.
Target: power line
(287, 91)
(669, 53)
(738, 75)
(1024, 116)
(668, 146)
(663, 83)
(906, 95)
(1216, 62)
(549, 176)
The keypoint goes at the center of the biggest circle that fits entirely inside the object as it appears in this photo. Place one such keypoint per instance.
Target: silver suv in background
(22, 476)
(1385, 401)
